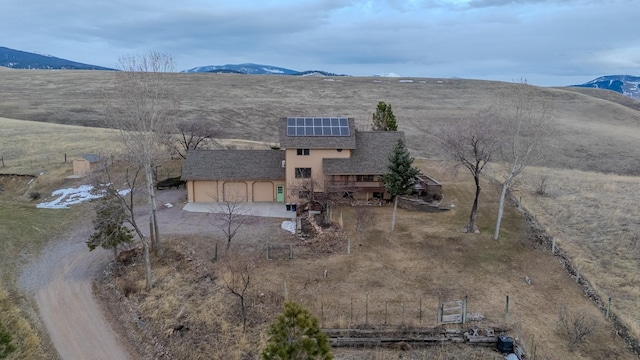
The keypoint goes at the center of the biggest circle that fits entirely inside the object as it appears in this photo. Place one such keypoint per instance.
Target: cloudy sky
(547, 42)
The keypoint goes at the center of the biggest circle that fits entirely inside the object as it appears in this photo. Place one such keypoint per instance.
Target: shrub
(577, 326)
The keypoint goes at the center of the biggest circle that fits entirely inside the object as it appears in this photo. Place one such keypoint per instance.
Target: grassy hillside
(592, 124)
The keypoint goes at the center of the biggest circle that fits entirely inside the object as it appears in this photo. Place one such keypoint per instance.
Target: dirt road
(61, 280)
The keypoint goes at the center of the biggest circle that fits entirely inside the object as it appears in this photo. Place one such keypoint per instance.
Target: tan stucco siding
(263, 191)
(313, 161)
(202, 191)
(235, 191)
(81, 167)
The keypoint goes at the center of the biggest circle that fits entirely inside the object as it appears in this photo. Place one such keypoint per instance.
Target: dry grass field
(590, 202)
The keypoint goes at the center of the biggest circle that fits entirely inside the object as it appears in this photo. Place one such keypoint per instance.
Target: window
(303, 173)
(304, 194)
(365, 178)
(302, 152)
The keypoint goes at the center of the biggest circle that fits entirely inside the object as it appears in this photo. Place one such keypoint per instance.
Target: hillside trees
(383, 118)
(296, 335)
(192, 134)
(143, 106)
(108, 224)
(527, 129)
(472, 143)
(400, 176)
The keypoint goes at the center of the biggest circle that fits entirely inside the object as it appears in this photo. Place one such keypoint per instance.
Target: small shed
(86, 164)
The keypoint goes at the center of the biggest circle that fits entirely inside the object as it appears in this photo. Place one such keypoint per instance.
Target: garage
(235, 191)
(263, 191)
(205, 191)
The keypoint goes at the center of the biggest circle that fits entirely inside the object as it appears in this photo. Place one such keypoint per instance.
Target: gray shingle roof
(317, 142)
(234, 165)
(92, 158)
(371, 157)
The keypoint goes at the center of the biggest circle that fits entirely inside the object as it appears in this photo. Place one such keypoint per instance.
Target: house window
(303, 173)
(302, 152)
(365, 178)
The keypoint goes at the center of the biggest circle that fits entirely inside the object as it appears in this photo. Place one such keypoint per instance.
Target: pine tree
(109, 227)
(6, 347)
(401, 175)
(296, 335)
(383, 118)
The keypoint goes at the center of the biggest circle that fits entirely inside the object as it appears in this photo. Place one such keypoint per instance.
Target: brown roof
(234, 165)
(371, 156)
(317, 142)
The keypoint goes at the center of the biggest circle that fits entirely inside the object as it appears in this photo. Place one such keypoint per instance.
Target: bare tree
(576, 325)
(527, 127)
(142, 106)
(126, 195)
(230, 216)
(237, 279)
(192, 134)
(472, 143)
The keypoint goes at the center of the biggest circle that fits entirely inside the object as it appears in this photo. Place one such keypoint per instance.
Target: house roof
(371, 157)
(317, 142)
(234, 165)
(92, 158)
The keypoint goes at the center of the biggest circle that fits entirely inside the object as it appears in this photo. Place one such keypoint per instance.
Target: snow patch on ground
(290, 226)
(72, 196)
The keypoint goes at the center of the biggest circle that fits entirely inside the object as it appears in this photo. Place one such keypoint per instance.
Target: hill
(592, 122)
(624, 84)
(17, 59)
(255, 69)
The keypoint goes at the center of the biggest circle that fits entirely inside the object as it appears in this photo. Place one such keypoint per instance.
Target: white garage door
(205, 191)
(263, 191)
(235, 191)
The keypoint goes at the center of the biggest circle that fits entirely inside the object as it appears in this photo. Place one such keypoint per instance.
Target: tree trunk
(474, 208)
(393, 218)
(147, 263)
(155, 238)
(503, 194)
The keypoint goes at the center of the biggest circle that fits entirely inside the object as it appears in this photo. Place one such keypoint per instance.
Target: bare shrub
(541, 187)
(35, 195)
(577, 326)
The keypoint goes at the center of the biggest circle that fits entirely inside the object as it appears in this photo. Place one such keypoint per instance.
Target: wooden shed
(86, 164)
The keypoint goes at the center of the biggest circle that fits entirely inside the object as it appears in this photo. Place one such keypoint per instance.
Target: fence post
(351, 322)
(2, 159)
(553, 245)
(366, 311)
(464, 310)
(506, 311)
(385, 312)
(609, 308)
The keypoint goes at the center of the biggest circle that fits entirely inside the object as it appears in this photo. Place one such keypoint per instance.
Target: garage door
(205, 191)
(263, 191)
(235, 191)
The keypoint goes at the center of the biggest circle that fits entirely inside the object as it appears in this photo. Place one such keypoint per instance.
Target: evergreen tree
(400, 176)
(6, 347)
(383, 118)
(296, 335)
(109, 227)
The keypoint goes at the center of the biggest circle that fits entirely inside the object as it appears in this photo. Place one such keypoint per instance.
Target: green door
(280, 193)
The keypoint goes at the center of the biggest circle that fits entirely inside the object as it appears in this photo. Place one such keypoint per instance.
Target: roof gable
(234, 165)
(371, 156)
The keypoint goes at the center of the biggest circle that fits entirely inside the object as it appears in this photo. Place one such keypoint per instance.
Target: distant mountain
(256, 69)
(17, 59)
(624, 84)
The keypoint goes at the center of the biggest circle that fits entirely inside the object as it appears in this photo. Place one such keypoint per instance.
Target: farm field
(588, 203)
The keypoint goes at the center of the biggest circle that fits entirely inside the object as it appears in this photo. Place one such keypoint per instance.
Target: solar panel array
(317, 126)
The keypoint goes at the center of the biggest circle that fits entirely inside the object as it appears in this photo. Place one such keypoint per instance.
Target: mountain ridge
(627, 85)
(17, 59)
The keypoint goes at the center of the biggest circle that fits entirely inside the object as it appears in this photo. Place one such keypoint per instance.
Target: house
(86, 164)
(318, 157)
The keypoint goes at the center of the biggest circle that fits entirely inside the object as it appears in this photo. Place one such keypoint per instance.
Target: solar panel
(316, 126)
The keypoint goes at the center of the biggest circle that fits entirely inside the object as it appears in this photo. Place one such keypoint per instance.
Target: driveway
(263, 209)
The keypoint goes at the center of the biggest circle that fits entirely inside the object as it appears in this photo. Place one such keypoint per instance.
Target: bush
(35, 195)
(296, 335)
(576, 326)
(6, 347)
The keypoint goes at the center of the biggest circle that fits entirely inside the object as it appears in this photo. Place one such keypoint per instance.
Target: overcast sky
(548, 42)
